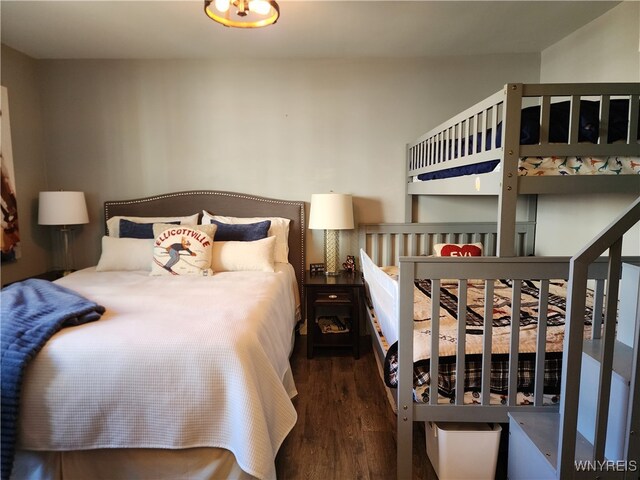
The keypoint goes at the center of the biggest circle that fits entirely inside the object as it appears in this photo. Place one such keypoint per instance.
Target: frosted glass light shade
(62, 208)
(331, 211)
(243, 13)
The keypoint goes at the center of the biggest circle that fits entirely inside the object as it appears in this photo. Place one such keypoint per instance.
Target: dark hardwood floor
(346, 428)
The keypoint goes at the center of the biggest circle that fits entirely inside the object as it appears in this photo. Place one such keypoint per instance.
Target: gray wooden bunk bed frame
(437, 149)
(406, 245)
(509, 246)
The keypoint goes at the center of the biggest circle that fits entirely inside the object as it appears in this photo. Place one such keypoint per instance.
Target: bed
(184, 376)
(450, 294)
(523, 141)
(530, 139)
(387, 243)
(530, 361)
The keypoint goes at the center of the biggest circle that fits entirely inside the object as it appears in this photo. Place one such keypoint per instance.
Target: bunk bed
(393, 244)
(487, 150)
(505, 145)
(471, 396)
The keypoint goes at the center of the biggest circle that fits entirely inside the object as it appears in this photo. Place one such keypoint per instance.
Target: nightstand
(50, 275)
(333, 306)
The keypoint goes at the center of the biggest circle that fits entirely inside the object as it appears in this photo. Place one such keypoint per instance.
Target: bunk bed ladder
(562, 449)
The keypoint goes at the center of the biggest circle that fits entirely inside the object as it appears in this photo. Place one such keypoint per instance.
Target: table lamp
(63, 209)
(331, 212)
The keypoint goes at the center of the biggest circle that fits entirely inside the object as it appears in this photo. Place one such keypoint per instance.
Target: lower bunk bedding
(382, 287)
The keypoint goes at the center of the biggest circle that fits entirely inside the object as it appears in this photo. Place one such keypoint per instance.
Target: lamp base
(331, 247)
(67, 261)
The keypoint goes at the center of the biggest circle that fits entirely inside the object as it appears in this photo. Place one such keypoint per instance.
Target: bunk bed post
(508, 196)
(408, 198)
(405, 369)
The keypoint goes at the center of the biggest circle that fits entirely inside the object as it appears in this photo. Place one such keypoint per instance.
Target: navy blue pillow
(558, 125)
(619, 121)
(129, 229)
(241, 232)
(589, 129)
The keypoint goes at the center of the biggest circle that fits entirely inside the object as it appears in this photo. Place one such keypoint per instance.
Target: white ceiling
(307, 29)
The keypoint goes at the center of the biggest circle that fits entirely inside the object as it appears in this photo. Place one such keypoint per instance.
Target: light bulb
(222, 5)
(259, 6)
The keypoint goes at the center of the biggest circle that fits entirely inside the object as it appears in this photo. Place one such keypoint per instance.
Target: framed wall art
(10, 230)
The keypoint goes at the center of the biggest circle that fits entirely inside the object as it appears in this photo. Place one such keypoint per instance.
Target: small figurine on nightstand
(350, 265)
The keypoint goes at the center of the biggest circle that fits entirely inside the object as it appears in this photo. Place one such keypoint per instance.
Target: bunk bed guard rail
(444, 144)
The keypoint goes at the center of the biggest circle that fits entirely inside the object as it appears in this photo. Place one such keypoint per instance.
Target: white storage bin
(462, 451)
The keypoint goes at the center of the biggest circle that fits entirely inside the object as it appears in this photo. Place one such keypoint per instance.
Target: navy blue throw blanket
(31, 312)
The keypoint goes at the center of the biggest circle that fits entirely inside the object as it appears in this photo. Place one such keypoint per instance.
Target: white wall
(605, 50)
(283, 129)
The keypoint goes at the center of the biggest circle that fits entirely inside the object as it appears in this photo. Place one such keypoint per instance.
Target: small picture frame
(316, 268)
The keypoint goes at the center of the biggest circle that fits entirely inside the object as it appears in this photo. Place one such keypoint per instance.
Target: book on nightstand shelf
(333, 324)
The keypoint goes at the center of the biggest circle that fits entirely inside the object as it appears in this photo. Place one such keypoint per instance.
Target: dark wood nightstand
(51, 275)
(334, 304)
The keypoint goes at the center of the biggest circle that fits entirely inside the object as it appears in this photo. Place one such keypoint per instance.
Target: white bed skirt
(138, 463)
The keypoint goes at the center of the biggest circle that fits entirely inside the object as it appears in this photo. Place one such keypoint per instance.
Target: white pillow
(113, 224)
(244, 256)
(279, 228)
(182, 250)
(125, 254)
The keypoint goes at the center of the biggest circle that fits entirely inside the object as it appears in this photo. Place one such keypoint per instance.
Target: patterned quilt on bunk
(536, 166)
(501, 324)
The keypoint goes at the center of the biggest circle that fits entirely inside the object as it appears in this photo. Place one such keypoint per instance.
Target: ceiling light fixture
(243, 13)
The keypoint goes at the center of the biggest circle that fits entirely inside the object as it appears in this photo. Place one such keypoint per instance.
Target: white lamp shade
(62, 208)
(331, 211)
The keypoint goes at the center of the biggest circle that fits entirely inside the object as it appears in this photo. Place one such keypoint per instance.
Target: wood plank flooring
(346, 428)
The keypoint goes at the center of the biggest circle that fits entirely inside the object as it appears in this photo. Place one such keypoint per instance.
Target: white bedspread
(175, 362)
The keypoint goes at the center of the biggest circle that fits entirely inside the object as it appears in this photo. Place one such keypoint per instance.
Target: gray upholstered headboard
(222, 203)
